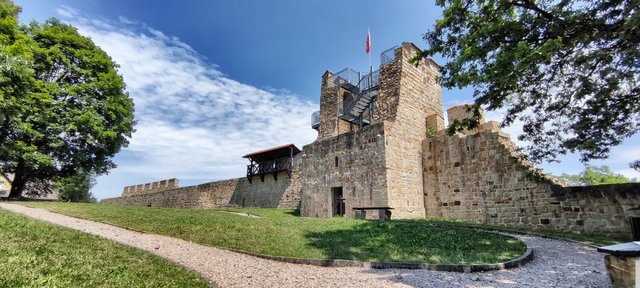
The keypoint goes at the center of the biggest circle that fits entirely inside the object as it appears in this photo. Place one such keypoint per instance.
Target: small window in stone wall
(336, 161)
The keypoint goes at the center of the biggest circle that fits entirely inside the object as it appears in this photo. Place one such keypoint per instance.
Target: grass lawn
(281, 233)
(586, 238)
(37, 254)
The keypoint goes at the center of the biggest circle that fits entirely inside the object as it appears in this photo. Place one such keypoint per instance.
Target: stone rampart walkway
(556, 264)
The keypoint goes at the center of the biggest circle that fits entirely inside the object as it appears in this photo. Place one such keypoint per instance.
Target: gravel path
(556, 263)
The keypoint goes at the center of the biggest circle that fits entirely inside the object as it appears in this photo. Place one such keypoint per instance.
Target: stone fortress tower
(382, 142)
(370, 133)
(382, 145)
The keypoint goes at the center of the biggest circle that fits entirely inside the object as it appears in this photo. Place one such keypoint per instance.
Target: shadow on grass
(416, 242)
(295, 212)
(25, 199)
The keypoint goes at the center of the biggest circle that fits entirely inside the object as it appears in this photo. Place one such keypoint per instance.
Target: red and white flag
(368, 45)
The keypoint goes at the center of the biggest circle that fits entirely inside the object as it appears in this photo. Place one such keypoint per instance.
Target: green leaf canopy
(568, 69)
(66, 106)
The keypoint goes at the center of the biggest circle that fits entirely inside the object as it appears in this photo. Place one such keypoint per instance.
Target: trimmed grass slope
(37, 254)
(281, 233)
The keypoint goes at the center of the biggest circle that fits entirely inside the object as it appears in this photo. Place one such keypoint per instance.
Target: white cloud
(66, 12)
(630, 153)
(194, 123)
(629, 173)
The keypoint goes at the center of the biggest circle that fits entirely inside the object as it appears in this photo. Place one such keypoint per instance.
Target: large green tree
(16, 74)
(596, 175)
(76, 188)
(568, 69)
(72, 114)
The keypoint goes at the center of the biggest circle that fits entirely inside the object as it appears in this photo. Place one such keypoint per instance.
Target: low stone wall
(270, 193)
(477, 178)
(208, 195)
(604, 209)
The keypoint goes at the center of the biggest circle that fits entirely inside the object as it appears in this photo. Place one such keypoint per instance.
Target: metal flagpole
(370, 74)
(370, 63)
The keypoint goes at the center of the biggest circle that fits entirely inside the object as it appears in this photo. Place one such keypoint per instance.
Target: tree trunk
(19, 181)
(5, 129)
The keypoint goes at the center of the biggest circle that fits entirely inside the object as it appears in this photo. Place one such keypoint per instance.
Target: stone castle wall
(386, 154)
(331, 100)
(283, 193)
(405, 160)
(419, 95)
(150, 187)
(354, 161)
(477, 178)
(208, 195)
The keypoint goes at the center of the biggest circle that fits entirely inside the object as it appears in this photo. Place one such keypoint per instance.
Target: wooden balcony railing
(269, 166)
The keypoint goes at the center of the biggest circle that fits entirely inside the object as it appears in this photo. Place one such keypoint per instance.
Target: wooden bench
(384, 213)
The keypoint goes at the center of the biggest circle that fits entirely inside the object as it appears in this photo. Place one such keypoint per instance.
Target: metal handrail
(315, 119)
(358, 85)
(367, 81)
(347, 75)
(388, 56)
(348, 105)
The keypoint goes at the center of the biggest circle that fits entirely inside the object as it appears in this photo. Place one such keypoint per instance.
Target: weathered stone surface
(150, 187)
(382, 162)
(359, 171)
(270, 193)
(622, 270)
(331, 100)
(208, 195)
(419, 96)
(283, 193)
(481, 171)
(434, 123)
(459, 112)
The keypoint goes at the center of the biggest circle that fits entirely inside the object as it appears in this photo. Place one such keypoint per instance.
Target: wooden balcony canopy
(272, 161)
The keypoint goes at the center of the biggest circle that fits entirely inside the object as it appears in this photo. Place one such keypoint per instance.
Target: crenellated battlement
(150, 187)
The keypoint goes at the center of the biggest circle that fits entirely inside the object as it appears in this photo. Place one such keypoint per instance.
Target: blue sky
(214, 80)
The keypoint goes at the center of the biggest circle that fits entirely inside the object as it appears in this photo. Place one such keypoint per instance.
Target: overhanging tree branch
(572, 59)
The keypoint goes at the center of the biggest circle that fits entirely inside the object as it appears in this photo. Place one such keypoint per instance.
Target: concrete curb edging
(463, 268)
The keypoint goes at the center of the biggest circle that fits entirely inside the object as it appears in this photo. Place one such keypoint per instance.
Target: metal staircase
(358, 107)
